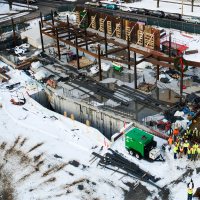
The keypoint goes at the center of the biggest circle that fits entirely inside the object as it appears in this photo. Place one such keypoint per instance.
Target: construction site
(106, 71)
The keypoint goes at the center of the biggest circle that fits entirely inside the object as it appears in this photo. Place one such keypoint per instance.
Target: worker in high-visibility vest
(175, 151)
(189, 153)
(170, 142)
(195, 132)
(180, 151)
(198, 151)
(190, 187)
(195, 146)
(175, 133)
(186, 144)
(193, 154)
(189, 133)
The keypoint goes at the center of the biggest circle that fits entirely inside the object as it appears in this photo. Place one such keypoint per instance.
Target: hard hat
(195, 128)
(188, 127)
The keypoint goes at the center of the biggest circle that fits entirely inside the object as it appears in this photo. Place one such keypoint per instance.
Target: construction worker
(170, 142)
(195, 146)
(195, 132)
(186, 144)
(198, 150)
(175, 133)
(180, 151)
(189, 153)
(190, 187)
(189, 133)
(193, 154)
(175, 151)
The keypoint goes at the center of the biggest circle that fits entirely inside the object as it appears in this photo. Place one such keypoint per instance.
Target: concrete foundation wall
(106, 122)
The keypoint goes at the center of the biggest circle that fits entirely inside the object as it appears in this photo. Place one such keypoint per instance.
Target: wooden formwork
(109, 27)
(101, 25)
(140, 37)
(93, 22)
(78, 17)
(118, 30)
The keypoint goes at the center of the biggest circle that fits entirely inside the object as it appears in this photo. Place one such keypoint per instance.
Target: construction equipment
(142, 144)
(117, 66)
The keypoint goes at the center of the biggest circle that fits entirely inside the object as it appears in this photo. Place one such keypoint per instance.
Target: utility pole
(99, 62)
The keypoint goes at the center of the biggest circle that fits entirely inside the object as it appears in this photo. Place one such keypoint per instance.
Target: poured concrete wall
(106, 122)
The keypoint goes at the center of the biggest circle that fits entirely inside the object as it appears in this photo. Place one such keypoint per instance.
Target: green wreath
(177, 64)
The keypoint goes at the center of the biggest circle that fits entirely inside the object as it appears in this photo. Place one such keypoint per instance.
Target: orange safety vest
(176, 132)
(170, 140)
(181, 149)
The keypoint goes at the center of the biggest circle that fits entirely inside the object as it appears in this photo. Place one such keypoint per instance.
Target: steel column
(135, 70)
(14, 34)
(58, 45)
(129, 54)
(77, 53)
(41, 37)
(41, 19)
(99, 62)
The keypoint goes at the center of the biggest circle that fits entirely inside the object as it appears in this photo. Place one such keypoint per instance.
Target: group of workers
(184, 144)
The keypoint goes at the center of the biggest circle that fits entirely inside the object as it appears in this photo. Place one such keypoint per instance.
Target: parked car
(157, 13)
(191, 19)
(111, 6)
(126, 9)
(174, 16)
(143, 11)
(30, 1)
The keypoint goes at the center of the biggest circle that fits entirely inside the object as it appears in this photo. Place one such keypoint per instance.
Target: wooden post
(129, 54)
(105, 38)
(135, 70)
(58, 45)
(99, 62)
(14, 34)
(77, 54)
(41, 19)
(41, 37)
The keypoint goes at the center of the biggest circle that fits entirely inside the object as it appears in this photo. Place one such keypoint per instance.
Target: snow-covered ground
(63, 170)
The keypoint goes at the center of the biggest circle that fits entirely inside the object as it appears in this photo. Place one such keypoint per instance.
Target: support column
(135, 70)
(77, 52)
(105, 38)
(158, 72)
(68, 28)
(170, 43)
(86, 42)
(41, 37)
(99, 62)
(14, 34)
(129, 54)
(52, 17)
(58, 45)
(41, 19)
